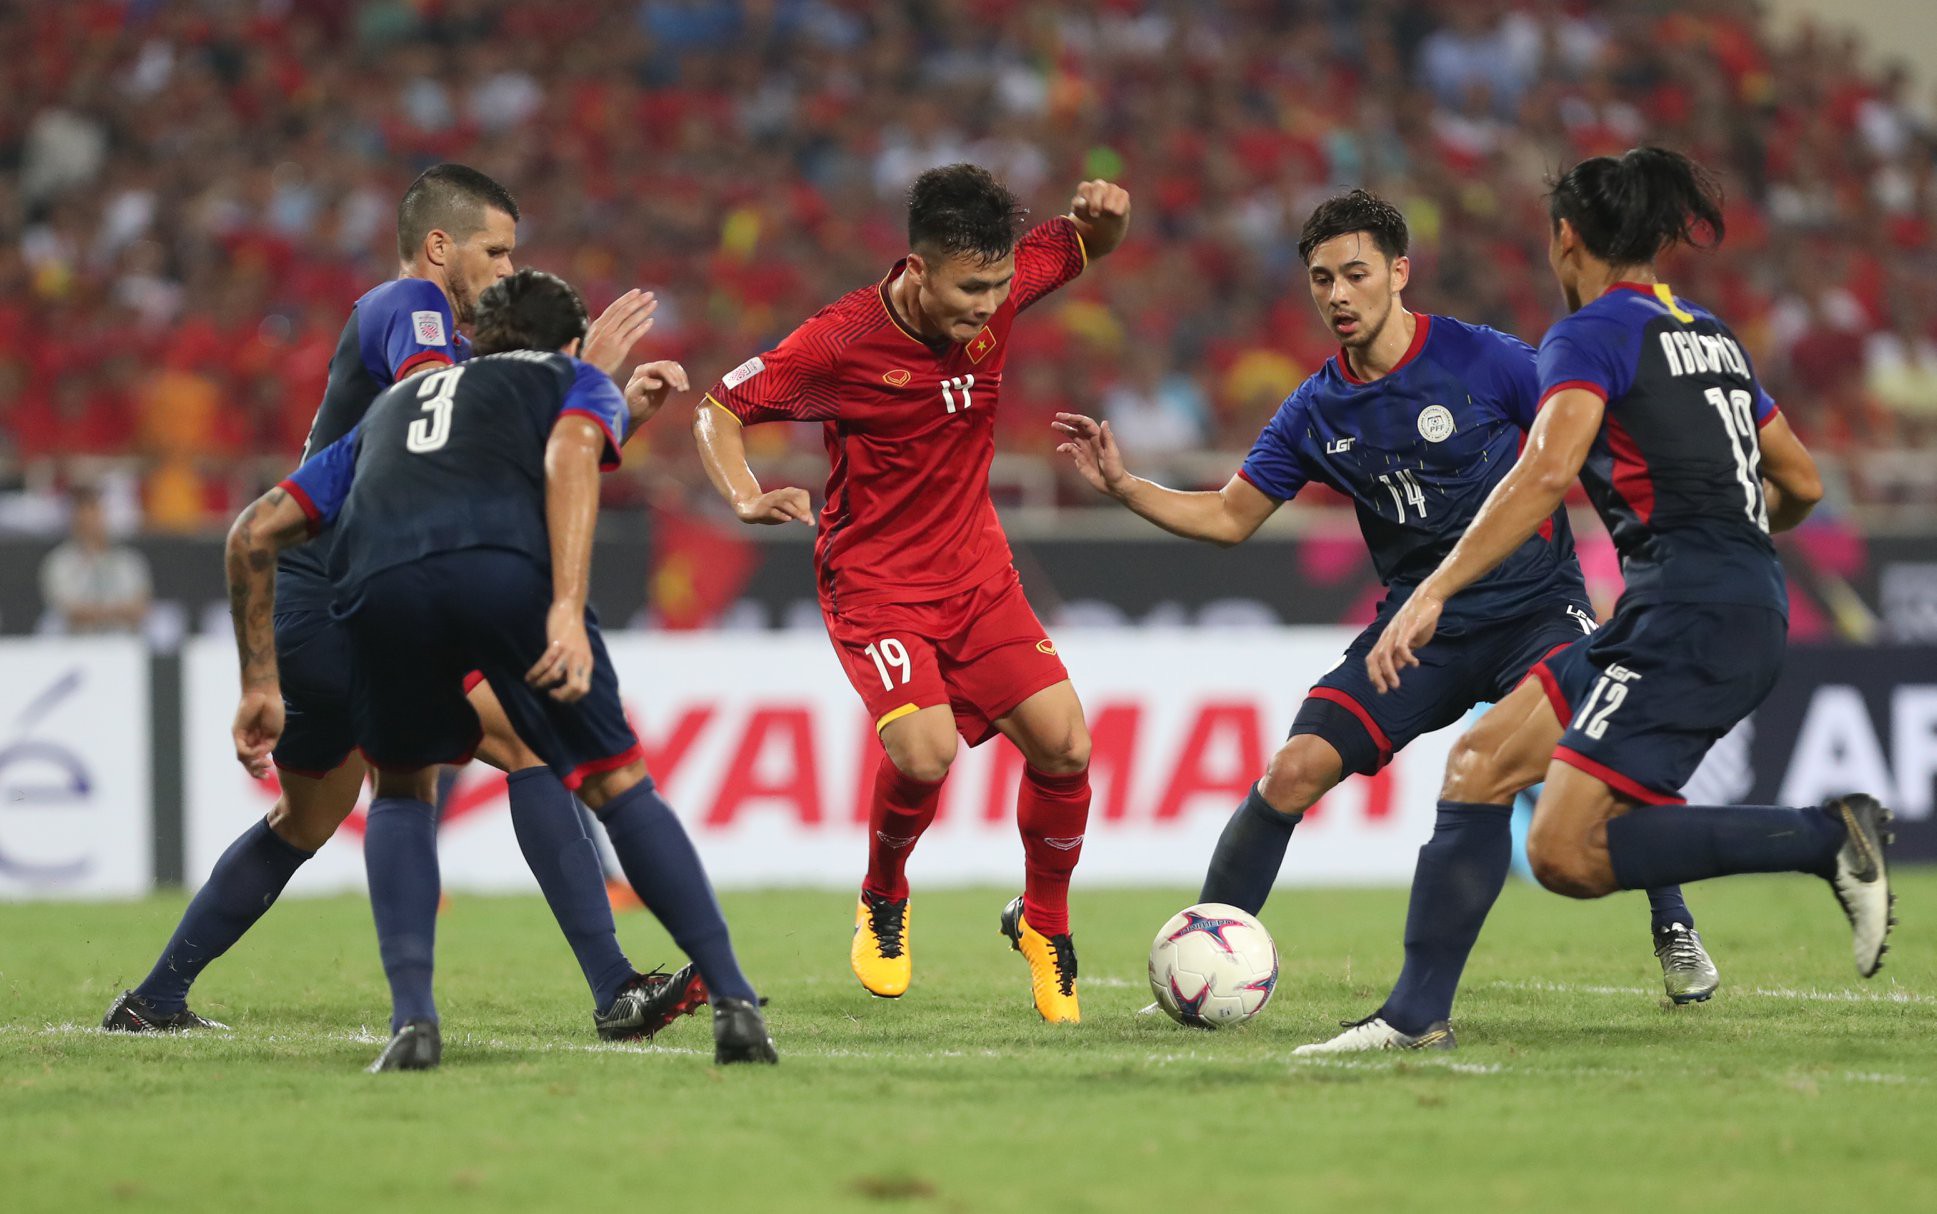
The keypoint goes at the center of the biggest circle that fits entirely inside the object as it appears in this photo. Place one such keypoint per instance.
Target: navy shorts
(313, 656)
(416, 631)
(1647, 695)
(1455, 672)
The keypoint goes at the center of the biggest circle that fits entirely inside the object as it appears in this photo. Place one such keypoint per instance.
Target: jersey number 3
(430, 433)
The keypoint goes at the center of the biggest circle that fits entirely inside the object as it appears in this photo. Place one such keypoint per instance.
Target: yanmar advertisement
(765, 751)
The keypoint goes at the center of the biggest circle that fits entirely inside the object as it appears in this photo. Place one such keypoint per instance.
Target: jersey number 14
(1405, 492)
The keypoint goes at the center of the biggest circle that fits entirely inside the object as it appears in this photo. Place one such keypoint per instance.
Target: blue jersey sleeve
(1585, 352)
(1274, 466)
(322, 484)
(593, 395)
(405, 326)
(1512, 377)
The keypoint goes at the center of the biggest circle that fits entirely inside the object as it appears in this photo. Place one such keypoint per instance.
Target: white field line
(1792, 994)
(1390, 1063)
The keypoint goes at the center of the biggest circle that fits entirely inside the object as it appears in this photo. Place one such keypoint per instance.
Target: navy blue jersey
(451, 460)
(395, 329)
(1417, 451)
(1676, 471)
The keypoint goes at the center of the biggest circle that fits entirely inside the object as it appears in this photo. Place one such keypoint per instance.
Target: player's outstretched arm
(571, 514)
(1791, 486)
(1101, 212)
(609, 339)
(723, 450)
(265, 527)
(1226, 517)
(1526, 497)
(647, 390)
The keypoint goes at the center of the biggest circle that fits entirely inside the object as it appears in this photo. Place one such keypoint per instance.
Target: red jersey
(909, 428)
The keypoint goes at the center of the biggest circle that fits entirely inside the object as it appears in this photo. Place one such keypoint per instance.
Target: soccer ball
(1213, 966)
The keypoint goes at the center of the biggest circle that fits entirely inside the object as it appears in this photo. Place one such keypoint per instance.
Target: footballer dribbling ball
(1213, 966)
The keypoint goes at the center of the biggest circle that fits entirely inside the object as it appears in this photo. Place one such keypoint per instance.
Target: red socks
(1051, 812)
(900, 810)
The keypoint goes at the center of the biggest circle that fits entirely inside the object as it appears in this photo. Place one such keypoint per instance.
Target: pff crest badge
(1436, 423)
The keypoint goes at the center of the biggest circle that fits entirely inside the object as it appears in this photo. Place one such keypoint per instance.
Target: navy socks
(1249, 854)
(400, 859)
(1666, 907)
(566, 863)
(1459, 876)
(666, 873)
(244, 883)
(1657, 845)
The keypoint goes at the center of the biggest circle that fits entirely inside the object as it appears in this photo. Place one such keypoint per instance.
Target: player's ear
(1401, 273)
(437, 247)
(917, 270)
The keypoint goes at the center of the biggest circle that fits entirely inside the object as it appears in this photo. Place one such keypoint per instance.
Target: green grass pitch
(1576, 1089)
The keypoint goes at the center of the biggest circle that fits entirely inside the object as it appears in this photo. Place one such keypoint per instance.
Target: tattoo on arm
(259, 533)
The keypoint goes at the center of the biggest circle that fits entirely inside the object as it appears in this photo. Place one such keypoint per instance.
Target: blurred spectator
(1901, 367)
(196, 192)
(89, 584)
(1153, 410)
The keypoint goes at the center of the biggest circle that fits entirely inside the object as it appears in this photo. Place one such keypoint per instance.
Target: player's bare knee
(418, 784)
(1567, 867)
(1476, 773)
(1294, 780)
(600, 788)
(310, 824)
(1069, 754)
(920, 760)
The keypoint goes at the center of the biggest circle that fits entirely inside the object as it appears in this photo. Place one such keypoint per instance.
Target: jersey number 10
(431, 432)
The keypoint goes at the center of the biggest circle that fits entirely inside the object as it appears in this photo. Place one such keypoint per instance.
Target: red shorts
(981, 652)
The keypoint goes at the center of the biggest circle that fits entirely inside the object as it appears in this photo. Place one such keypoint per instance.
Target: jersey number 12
(431, 432)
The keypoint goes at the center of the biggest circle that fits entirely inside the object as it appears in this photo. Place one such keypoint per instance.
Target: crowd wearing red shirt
(195, 192)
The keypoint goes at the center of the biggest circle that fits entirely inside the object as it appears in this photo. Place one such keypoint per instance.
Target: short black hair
(453, 197)
(1359, 211)
(529, 310)
(1628, 209)
(962, 208)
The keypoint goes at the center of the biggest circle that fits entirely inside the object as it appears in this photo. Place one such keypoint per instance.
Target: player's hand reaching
(1101, 210)
(609, 341)
(1409, 629)
(1093, 448)
(565, 668)
(777, 506)
(258, 727)
(650, 385)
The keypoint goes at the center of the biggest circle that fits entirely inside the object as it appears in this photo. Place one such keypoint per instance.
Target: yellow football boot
(1052, 966)
(879, 953)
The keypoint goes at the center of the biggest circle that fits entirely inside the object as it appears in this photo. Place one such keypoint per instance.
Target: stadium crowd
(193, 193)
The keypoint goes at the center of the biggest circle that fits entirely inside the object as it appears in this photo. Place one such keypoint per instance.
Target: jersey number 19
(1738, 418)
